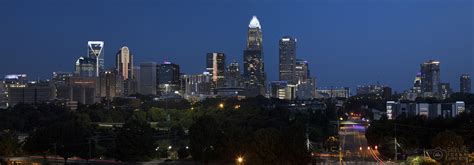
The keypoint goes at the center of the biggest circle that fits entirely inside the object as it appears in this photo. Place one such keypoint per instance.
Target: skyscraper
(124, 63)
(148, 79)
(215, 65)
(465, 81)
(168, 77)
(287, 47)
(233, 78)
(301, 72)
(110, 84)
(85, 67)
(445, 90)
(430, 78)
(254, 70)
(96, 51)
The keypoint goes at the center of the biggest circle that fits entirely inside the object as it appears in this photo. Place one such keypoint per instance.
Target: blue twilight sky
(347, 42)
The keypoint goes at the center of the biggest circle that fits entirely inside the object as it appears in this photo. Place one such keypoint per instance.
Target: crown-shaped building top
(254, 23)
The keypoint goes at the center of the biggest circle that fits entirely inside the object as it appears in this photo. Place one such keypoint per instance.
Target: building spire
(254, 23)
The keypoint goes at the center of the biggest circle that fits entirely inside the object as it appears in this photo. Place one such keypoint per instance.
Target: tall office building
(287, 51)
(96, 52)
(124, 67)
(148, 79)
(168, 77)
(445, 90)
(85, 67)
(465, 85)
(301, 73)
(430, 78)
(215, 65)
(124, 63)
(11, 81)
(110, 85)
(233, 78)
(254, 69)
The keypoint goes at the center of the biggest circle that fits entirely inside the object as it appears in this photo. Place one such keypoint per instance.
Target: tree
(9, 145)
(266, 146)
(134, 142)
(447, 139)
(39, 142)
(72, 137)
(203, 139)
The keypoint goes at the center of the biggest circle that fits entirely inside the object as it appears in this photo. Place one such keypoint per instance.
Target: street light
(240, 160)
(360, 148)
(221, 105)
(376, 147)
(368, 148)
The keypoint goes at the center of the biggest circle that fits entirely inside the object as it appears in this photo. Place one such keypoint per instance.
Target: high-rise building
(287, 51)
(254, 69)
(85, 67)
(215, 65)
(80, 89)
(148, 78)
(168, 77)
(110, 84)
(124, 67)
(233, 78)
(417, 83)
(96, 52)
(197, 87)
(430, 78)
(301, 73)
(282, 90)
(445, 90)
(254, 35)
(465, 85)
(124, 63)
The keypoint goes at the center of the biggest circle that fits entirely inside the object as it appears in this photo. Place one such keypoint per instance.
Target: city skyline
(331, 65)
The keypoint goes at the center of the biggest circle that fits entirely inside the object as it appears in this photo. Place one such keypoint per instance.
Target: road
(354, 147)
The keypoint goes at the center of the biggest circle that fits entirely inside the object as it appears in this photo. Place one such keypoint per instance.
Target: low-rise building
(430, 110)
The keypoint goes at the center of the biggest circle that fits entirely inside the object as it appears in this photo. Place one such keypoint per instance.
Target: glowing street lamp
(240, 160)
(221, 105)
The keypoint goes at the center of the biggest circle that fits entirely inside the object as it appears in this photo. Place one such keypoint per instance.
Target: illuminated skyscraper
(301, 72)
(124, 63)
(233, 78)
(215, 65)
(465, 81)
(430, 78)
(254, 68)
(287, 58)
(96, 51)
(85, 67)
(168, 77)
